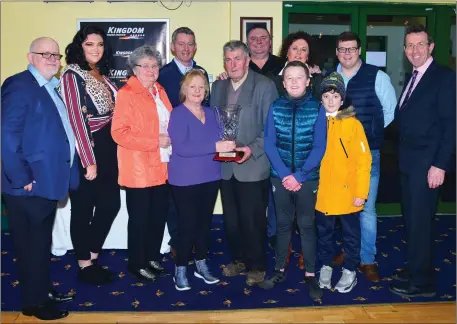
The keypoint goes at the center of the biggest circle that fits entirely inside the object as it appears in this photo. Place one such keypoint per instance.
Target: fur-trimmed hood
(346, 113)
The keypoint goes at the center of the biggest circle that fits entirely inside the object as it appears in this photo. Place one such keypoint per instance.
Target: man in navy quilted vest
(371, 93)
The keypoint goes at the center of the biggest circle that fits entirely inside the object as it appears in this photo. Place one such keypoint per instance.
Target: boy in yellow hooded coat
(343, 185)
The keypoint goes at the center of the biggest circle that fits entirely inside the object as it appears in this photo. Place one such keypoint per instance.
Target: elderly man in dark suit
(426, 119)
(245, 183)
(38, 151)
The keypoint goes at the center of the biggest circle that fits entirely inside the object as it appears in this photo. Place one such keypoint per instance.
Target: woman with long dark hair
(89, 96)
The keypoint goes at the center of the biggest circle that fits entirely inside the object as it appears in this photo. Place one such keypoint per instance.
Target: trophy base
(229, 156)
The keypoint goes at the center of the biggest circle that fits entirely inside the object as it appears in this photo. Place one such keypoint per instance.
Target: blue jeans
(368, 217)
(271, 214)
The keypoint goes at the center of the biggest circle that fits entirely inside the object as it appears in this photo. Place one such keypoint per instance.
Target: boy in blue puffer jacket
(295, 139)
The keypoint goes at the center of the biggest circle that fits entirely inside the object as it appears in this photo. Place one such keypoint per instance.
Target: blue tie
(410, 89)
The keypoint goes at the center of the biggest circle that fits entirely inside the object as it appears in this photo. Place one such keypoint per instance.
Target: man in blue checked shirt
(372, 94)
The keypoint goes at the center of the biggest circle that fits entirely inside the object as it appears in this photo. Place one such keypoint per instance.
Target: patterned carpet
(125, 294)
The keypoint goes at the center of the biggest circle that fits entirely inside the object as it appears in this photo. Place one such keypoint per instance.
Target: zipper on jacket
(342, 145)
(294, 111)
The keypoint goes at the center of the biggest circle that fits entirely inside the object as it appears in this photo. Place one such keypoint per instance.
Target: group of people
(310, 151)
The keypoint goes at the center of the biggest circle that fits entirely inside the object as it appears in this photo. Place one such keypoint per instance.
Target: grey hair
(233, 45)
(182, 30)
(141, 52)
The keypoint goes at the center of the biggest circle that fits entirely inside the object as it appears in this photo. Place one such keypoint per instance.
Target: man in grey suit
(245, 183)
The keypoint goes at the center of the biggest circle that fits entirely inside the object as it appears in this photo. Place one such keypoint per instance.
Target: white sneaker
(325, 277)
(347, 282)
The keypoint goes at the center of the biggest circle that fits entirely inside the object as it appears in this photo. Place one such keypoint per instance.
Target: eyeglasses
(343, 50)
(48, 55)
(148, 67)
(421, 46)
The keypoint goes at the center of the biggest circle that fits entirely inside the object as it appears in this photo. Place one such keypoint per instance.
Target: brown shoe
(233, 269)
(255, 277)
(370, 271)
(339, 259)
(301, 262)
(173, 253)
(289, 253)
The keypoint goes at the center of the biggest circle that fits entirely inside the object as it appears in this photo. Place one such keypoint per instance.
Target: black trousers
(172, 222)
(302, 204)
(419, 204)
(89, 228)
(31, 219)
(147, 208)
(350, 224)
(245, 220)
(195, 205)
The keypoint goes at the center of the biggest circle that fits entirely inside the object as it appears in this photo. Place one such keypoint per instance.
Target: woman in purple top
(193, 175)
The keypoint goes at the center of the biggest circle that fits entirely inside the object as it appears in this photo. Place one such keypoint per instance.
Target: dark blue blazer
(427, 123)
(170, 78)
(34, 143)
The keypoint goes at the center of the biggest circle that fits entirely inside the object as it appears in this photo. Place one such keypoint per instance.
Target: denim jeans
(368, 217)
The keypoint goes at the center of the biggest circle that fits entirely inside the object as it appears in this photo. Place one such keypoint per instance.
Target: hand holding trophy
(228, 118)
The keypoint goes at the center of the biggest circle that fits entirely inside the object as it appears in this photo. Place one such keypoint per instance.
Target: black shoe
(144, 275)
(108, 274)
(157, 269)
(60, 298)
(95, 275)
(400, 275)
(405, 289)
(45, 312)
(314, 291)
(277, 277)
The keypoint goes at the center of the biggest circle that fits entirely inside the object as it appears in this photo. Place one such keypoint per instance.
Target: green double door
(381, 28)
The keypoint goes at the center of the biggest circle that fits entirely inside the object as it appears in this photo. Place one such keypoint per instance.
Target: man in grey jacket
(245, 183)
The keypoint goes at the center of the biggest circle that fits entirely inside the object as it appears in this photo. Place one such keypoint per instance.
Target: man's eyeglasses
(343, 50)
(48, 55)
(410, 47)
(148, 67)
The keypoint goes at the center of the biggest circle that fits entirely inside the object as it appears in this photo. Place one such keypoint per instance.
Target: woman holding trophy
(193, 174)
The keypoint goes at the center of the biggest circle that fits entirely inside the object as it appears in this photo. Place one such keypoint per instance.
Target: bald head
(39, 41)
(41, 47)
